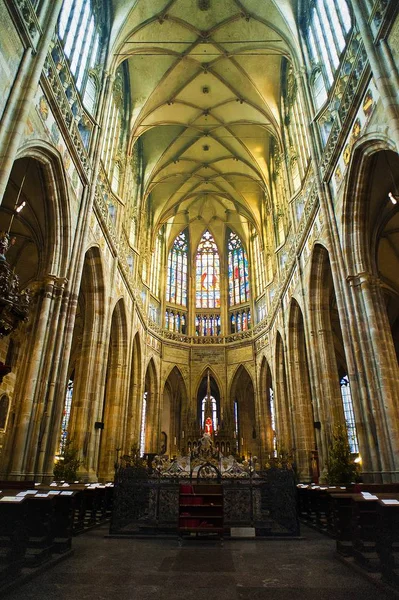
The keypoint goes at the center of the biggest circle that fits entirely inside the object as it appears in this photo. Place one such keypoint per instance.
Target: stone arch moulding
(237, 373)
(170, 371)
(354, 209)
(59, 205)
(212, 374)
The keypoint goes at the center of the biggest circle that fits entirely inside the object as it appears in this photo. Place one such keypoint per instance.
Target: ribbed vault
(205, 80)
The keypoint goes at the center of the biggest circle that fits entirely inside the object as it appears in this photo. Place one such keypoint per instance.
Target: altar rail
(266, 502)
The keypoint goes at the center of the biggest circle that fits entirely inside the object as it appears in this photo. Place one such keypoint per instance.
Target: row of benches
(363, 519)
(38, 522)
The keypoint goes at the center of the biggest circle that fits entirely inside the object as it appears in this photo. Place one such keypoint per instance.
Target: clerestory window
(326, 33)
(80, 27)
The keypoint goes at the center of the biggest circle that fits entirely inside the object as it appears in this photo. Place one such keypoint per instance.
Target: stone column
(90, 441)
(385, 72)
(23, 92)
(380, 391)
(30, 380)
(302, 413)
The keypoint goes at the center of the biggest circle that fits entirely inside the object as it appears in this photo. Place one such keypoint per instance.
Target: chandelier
(14, 305)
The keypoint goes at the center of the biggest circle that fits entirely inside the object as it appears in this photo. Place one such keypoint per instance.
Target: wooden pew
(13, 537)
(387, 543)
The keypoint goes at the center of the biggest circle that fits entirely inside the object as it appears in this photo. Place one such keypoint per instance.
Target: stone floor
(135, 569)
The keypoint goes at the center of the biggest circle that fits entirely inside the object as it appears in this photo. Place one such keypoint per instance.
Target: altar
(146, 499)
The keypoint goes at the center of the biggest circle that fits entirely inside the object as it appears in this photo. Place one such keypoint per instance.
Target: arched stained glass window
(156, 261)
(207, 288)
(214, 412)
(328, 26)
(238, 271)
(66, 415)
(176, 281)
(349, 414)
(79, 28)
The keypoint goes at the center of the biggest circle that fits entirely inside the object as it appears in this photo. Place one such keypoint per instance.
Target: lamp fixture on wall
(393, 196)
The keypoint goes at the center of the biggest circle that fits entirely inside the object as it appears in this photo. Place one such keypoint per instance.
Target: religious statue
(208, 426)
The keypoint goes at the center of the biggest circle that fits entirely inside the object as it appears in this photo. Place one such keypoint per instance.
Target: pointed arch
(149, 433)
(268, 428)
(177, 273)
(173, 410)
(302, 409)
(116, 385)
(85, 368)
(242, 401)
(207, 273)
(134, 398)
(47, 215)
(282, 399)
(238, 275)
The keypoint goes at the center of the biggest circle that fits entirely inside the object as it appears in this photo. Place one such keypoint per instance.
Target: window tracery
(66, 415)
(237, 270)
(80, 30)
(349, 414)
(156, 261)
(259, 264)
(112, 147)
(177, 274)
(326, 33)
(207, 288)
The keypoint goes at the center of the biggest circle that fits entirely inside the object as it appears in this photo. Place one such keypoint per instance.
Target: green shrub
(68, 464)
(341, 468)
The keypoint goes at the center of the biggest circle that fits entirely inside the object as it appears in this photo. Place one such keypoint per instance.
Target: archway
(149, 434)
(112, 438)
(134, 404)
(243, 408)
(329, 350)
(39, 257)
(282, 401)
(173, 435)
(303, 420)
(268, 424)
(370, 224)
(86, 363)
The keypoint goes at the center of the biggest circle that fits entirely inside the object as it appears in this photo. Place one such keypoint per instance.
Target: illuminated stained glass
(207, 288)
(238, 271)
(176, 281)
(206, 325)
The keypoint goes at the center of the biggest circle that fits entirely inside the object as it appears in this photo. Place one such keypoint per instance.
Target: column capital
(364, 278)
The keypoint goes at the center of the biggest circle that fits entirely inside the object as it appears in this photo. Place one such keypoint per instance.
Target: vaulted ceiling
(205, 80)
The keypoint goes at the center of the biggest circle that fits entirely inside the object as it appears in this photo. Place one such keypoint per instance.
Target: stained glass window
(240, 321)
(156, 261)
(206, 325)
(259, 262)
(175, 321)
(66, 415)
(207, 288)
(273, 421)
(176, 280)
(214, 413)
(143, 423)
(79, 28)
(328, 26)
(349, 414)
(238, 271)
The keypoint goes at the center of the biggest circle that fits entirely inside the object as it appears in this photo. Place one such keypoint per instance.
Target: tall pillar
(381, 382)
(384, 72)
(31, 383)
(23, 92)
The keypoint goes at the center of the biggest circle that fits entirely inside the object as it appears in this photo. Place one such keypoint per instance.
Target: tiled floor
(129, 569)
